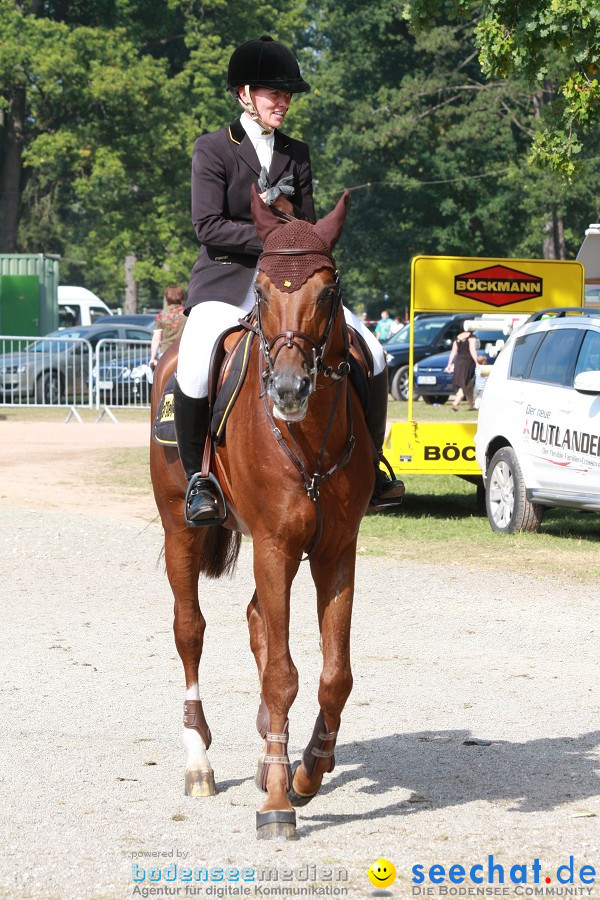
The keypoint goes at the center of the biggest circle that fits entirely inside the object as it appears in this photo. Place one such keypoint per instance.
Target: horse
(299, 491)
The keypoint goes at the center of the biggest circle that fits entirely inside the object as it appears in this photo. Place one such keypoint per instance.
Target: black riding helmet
(266, 63)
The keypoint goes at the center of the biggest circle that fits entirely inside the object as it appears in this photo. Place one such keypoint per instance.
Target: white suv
(538, 431)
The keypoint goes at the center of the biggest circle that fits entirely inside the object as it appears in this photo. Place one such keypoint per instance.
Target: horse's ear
(265, 220)
(330, 226)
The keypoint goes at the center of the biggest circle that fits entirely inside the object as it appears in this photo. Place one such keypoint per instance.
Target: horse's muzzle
(289, 392)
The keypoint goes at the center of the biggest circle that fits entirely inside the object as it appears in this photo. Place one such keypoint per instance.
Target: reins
(314, 365)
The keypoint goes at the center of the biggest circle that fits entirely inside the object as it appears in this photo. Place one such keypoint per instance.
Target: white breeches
(205, 323)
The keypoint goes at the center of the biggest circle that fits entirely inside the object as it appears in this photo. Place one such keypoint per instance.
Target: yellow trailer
(473, 286)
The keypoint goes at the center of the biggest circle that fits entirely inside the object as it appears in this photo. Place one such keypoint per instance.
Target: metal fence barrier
(62, 372)
(45, 372)
(121, 377)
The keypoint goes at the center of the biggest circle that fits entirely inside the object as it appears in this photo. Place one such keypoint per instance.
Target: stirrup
(221, 512)
(386, 485)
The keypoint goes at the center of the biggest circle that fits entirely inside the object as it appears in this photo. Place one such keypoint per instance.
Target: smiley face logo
(382, 873)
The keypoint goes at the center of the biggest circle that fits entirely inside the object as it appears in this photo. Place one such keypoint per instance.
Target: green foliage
(433, 150)
(434, 154)
(116, 93)
(524, 38)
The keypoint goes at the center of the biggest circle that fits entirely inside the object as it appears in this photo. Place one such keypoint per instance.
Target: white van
(78, 306)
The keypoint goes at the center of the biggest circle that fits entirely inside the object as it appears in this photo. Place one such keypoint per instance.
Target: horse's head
(298, 302)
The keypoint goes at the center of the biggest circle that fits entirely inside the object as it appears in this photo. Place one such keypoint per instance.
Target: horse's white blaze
(197, 757)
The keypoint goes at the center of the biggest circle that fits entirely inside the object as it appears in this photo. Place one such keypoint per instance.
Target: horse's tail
(219, 551)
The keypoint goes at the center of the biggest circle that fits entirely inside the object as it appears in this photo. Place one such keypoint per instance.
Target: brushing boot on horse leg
(388, 490)
(191, 426)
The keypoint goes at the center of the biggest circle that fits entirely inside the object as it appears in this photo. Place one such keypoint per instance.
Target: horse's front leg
(182, 556)
(334, 580)
(274, 572)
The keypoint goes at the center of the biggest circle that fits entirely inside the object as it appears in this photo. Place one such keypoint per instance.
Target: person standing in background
(169, 323)
(464, 351)
(396, 326)
(383, 327)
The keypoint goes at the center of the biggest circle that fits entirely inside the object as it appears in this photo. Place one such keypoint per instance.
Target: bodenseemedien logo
(184, 880)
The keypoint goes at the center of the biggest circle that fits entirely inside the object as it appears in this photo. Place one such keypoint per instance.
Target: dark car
(432, 334)
(143, 320)
(123, 379)
(56, 368)
(432, 381)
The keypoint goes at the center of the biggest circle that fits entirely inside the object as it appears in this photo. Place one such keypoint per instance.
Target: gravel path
(91, 699)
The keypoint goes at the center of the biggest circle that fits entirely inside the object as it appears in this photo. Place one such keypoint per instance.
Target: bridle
(297, 339)
(312, 352)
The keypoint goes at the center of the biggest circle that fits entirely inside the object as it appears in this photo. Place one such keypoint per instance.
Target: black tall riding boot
(191, 426)
(388, 490)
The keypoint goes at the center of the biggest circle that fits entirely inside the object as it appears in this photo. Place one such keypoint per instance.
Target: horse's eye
(327, 294)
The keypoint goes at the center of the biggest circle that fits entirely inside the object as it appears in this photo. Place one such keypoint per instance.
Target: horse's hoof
(200, 784)
(294, 798)
(276, 825)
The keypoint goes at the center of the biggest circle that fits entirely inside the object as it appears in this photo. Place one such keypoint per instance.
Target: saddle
(227, 372)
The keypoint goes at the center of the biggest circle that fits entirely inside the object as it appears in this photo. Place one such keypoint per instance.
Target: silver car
(58, 367)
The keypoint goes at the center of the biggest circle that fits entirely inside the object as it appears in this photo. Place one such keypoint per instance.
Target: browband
(296, 251)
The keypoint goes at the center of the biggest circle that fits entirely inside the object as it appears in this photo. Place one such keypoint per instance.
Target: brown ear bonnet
(288, 272)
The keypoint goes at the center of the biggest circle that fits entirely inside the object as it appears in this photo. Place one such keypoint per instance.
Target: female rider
(262, 75)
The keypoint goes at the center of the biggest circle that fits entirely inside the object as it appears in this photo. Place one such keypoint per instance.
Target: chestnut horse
(299, 489)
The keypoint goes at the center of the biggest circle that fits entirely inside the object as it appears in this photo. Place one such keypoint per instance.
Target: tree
(556, 47)
(101, 104)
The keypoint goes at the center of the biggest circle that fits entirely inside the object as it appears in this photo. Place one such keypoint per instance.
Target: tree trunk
(130, 304)
(10, 173)
(559, 237)
(553, 242)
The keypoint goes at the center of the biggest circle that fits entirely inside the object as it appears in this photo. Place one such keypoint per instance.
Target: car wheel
(508, 509)
(399, 386)
(49, 389)
(432, 399)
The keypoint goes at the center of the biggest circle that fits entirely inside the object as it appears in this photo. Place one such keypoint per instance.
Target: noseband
(313, 362)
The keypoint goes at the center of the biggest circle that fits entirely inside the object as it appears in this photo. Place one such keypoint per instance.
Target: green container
(28, 293)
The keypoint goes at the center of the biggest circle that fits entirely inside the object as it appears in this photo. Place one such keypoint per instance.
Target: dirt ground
(57, 465)
(471, 737)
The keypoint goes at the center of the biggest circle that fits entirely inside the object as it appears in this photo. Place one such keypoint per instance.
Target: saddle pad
(163, 428)
(233, 372)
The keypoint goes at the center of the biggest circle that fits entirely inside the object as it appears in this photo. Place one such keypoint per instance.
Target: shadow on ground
(434, 770)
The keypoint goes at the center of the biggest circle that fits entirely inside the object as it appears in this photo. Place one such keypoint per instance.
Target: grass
(126, 469)
(424, 412)
(59, 414)
(439, 520)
